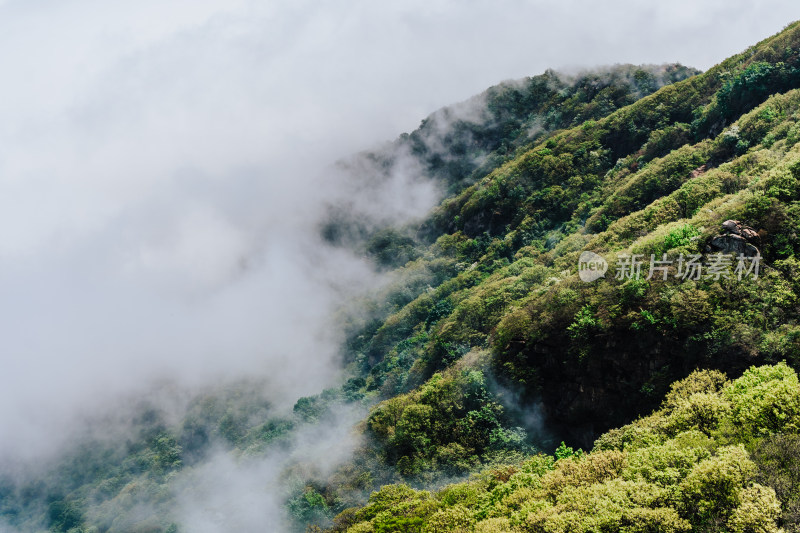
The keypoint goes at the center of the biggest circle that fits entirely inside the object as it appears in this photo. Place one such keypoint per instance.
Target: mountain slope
(459, 144)
(132, 477)
(504, 300)
(624, 183)
(488, 347)
(686, 467)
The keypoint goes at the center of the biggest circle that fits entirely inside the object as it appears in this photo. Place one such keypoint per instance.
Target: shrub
(681, 236)
(456, 519)
(765, 399)
(758, 511)
(712, 490)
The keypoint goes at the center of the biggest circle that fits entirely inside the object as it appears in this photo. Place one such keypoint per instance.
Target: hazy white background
(162, 169)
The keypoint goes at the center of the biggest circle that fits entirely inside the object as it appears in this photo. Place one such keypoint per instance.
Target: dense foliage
(659, 176)
(487, 348)
(706, 461)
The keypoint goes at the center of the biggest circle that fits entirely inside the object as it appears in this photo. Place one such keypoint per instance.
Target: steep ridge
(673, 163)
(460, 144)
(503, 299)
(489, 347)
(134, 473)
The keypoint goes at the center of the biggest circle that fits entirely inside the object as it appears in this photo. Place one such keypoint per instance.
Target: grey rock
(751, 235)
(733, 244)
(732, 226)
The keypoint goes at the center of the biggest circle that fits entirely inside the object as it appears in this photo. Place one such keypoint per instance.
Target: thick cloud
(162, 170)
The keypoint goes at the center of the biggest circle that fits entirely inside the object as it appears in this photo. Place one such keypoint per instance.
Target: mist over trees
(216, 320)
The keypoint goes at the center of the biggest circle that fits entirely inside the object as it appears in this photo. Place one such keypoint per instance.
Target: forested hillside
(505, 327)
(480, 372)
(717, 456)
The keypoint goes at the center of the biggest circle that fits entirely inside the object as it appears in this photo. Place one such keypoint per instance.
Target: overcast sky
(160, 167)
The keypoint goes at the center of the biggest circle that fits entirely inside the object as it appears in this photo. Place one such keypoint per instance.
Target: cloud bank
(164, 167)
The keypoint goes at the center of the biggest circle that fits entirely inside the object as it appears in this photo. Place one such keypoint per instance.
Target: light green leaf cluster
(679, 469)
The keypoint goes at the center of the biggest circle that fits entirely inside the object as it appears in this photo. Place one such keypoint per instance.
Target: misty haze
(296, 267)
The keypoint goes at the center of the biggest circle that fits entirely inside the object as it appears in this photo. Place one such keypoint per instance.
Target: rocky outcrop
(736, 238)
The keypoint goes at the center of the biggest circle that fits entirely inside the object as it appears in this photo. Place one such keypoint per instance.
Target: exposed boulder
(736, 239)
(751, 235)
(733, 244)
(731, 226)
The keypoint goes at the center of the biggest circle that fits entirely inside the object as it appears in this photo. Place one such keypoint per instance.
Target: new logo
(591, 266)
